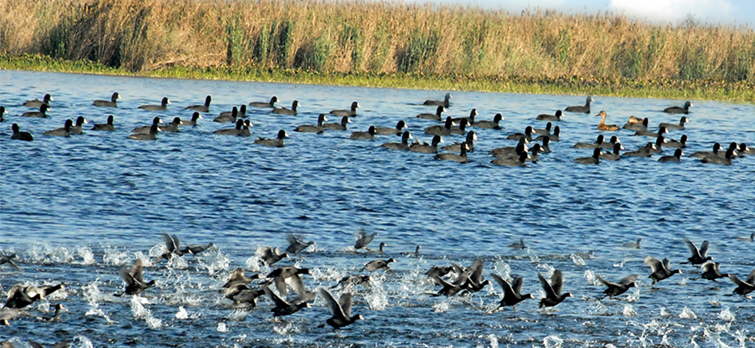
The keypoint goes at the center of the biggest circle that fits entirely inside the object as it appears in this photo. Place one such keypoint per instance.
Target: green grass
(618, 87)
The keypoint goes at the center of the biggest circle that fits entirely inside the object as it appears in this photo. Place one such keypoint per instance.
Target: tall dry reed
(380, 37)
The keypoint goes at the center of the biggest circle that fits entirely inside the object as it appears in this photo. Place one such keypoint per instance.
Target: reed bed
(380, 37)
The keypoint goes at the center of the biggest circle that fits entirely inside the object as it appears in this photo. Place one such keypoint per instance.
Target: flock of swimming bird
(517, 155)
(453, 279)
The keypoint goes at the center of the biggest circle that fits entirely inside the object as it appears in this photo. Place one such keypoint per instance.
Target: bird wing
(137, 270)
(476, 271)
(666, 264)
(305, 297)
(264, 252)
(704, 248)
(546, 286)
(738, 282)
(654, 263)
(708, 267)
(557, 281)
(692, 247)
(297, 284)
(606, 282)
(125, 273)
(517, 285)
(8, 313)
(279, 302)
(345, 302)
(170, 242)
(628, 280)
(14, 266)
(293, 239)
(280, 284)
(13, 290)
(751, 278)
(334, 306)
(507, 290)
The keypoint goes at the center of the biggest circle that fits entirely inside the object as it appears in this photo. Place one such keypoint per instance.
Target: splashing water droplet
(727, 315)
(553, 342)
(222, 327)
(687, 314)
(628, 311)
(577, 260)
(182, 314)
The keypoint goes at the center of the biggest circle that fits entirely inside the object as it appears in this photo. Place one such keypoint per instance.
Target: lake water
(76, 209)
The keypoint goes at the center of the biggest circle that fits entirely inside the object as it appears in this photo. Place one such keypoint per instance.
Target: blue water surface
(76, 208)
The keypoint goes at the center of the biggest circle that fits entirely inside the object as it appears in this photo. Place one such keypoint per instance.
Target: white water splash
(533, 257)
(139, 312)
(182, 313)
(493, 341)
(620, 264)
(663, 312)
(157, 250)
(214, 261)
(548, 269)
(553, 341)
(222, 327)
(237, 315)
(154, 323)
(591, 278)
(86, 255)
(81, 341)
(628, 311)
(287, 329)
(253, 264)
(714, 301)
(687, 314)
(441, 307)
(115, 257)
(634, 296)
(727, 315)
(378, 297)
(93, 296)
(577, 260)
(178, 262)
(503, 269)
(46, 253)
(597, 308)
(665, 341)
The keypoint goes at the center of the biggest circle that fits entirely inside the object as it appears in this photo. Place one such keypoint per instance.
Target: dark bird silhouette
(553, 289)
(283, 307)
(699, 256)
(340, 309)
(616, 289)
(711, 272)
(237, 277)
(293, 275)
(296, 244)
(375, 265)
(269, 255)
(363, 239)
(133, 277)
(512, 293)
(744, 287)
(661, 270)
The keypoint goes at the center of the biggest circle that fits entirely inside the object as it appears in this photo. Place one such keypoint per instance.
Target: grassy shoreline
(616, 87)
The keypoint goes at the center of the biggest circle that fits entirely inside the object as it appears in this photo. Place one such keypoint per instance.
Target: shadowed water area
(76, 209)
